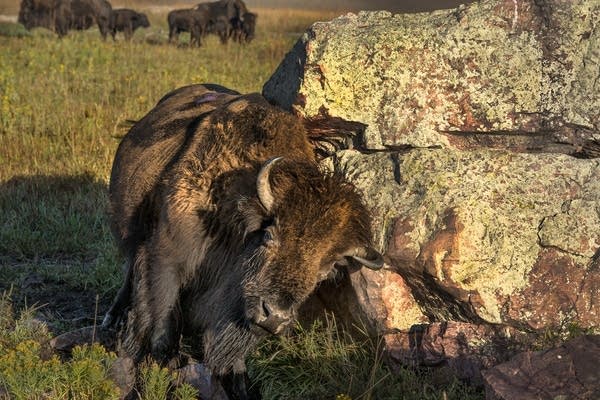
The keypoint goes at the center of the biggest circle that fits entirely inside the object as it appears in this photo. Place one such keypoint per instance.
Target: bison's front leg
(128, 32)
(151, 328)
(166, 287)
(237, 386)
(226, 345)
(116, 313)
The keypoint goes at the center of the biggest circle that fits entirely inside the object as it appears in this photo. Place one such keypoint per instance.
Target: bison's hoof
(163, 348)
(108, 321)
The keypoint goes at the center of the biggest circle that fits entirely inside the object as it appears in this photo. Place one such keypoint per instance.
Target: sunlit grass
(322, 362)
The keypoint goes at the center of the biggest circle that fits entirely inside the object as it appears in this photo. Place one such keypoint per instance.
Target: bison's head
(143, 20)
(304, 224)
(249, 26)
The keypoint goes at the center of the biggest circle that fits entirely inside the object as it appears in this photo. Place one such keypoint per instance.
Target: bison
(50, 14)
(85, 12)
(228, 224)
(126, 21)
(222, 15)
(36, 13)
(62, 15)
(188, 20)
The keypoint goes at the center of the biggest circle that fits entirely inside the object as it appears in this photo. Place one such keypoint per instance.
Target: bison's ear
(367, 256)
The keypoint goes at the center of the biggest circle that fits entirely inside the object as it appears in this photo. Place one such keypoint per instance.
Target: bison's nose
(272, 318)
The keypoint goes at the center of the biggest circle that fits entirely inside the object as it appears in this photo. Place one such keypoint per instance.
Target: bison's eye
(268, 237)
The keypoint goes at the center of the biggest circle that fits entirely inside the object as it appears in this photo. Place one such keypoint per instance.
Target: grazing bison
(62, 15)
(221, 27)
(86, 12)
(50, 14)
(126, 21)
(228, 224)
(227, 8)
(36, 13)
(187, 20)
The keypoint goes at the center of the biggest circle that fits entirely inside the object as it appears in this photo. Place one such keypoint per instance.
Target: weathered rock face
(476, 141)
(528, 68)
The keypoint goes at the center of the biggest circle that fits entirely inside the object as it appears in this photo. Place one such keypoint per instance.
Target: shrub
(29, 369)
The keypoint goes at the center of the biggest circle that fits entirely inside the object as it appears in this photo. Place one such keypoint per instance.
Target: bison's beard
(226, 347)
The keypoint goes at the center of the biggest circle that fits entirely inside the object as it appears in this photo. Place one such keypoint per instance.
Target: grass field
(64, 105)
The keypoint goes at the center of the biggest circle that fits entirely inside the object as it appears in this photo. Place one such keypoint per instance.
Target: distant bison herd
(228, 19)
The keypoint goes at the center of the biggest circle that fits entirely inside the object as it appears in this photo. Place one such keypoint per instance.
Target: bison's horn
(263, 187)
(368, 257)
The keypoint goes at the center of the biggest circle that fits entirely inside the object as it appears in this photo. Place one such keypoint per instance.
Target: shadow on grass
(56, 250)
(56, 217)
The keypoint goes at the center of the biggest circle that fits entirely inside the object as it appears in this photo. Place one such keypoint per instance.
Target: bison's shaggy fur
(222, 244)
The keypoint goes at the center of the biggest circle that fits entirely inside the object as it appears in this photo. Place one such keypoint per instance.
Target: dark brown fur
(223, 16)
(85, 12)
(244, 29)
(55, 15)
(206, 258)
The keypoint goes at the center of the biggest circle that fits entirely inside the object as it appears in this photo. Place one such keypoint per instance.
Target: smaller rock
(566, 372)
(90, 334)
(462, 348)
(198, 376)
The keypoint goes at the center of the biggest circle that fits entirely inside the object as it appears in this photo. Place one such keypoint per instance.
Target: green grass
(30, 370)
(321, 362)
(64, 105)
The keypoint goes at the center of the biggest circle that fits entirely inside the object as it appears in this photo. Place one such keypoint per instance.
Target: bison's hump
(153, 142)
(208, 128)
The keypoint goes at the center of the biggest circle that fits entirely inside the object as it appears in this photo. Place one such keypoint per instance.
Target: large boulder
(475, 139)
(518, 74)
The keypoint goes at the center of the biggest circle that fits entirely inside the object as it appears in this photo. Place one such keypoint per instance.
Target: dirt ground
(62, 307)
